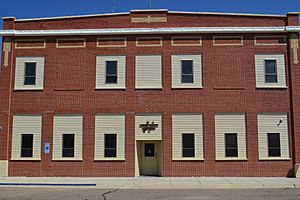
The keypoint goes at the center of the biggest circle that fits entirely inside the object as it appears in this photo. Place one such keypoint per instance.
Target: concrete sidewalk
(152, 182)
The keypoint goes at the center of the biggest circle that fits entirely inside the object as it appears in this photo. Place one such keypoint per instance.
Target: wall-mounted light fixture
(280, 121)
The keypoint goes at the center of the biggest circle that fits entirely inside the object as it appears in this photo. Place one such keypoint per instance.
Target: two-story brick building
(150, 92)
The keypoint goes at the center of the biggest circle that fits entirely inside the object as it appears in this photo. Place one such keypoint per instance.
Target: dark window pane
(68, 141)
(188, 145)
(111, 79)
(111, 67)
(30, 69)
(187, 71)
(68, 145)
(27, 140)
(29, 81)
(231, 147)
(68, 152)
(110, 140)
(110, 145)
(270, 71)
(27, 145)
(188, 152)
(149, 150)
(188, 140)
(187, 67)
(187, 79)
(274, 144)
(30, 74)
(271, 78)
(110, 153)
(270, 66)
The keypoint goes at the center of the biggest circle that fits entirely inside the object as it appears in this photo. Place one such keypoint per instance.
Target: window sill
(67, 159)
(271, 87)
(110, 88)
(109, 159)
(232, 159)
(274, 159)
(187, 87)
(188, 159)
(25, 159)
(29, 89)
(149, 88)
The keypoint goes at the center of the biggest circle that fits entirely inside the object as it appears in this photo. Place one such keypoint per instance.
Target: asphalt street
(21, 193)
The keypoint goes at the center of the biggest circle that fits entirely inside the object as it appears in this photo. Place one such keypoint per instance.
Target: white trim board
(122, 31)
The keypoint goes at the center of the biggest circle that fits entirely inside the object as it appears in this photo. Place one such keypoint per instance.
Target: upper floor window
(270, 71)
(111, 72)
(186, 71)
(187, 74)
(30, 73)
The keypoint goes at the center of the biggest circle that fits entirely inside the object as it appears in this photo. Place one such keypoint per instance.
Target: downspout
(9, 104)
(291, 101)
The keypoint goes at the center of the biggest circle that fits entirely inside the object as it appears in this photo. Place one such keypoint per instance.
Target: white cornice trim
(126, 31)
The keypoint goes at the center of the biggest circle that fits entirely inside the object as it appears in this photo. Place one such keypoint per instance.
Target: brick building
(150, 92)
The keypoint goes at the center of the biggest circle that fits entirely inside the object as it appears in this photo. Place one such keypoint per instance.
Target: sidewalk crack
(108, 192)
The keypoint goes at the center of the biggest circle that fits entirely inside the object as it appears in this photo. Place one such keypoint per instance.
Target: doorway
(149, 158)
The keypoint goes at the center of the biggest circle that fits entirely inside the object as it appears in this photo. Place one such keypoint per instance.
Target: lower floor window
(188, 145)
(110, 141)
(231, 146)
(68, 145)
(274, 144)
(27, 145)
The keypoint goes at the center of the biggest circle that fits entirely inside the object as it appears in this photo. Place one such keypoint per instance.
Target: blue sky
(47, 8)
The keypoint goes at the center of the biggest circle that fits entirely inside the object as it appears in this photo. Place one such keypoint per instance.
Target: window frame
(236, 155)
(111, 75)
(26, 149)
(270, 74)
(110, 148)
(188, 148)
(32, 76)
(274, 148)
(183, 74)
(68, 148)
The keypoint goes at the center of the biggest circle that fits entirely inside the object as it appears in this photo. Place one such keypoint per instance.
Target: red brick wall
(174, 20)
(228, 86)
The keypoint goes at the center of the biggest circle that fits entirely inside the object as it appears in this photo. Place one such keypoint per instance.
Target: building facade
(150, 92)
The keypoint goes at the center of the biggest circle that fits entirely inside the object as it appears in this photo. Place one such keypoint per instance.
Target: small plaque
(148, 127)
(47, 148)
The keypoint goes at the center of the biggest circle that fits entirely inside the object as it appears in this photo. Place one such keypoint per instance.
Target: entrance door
(149, 158)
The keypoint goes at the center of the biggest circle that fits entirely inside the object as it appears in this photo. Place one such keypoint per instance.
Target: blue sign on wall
(47, 148)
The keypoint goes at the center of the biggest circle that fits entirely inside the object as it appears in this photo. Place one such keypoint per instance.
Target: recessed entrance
(149, 158)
